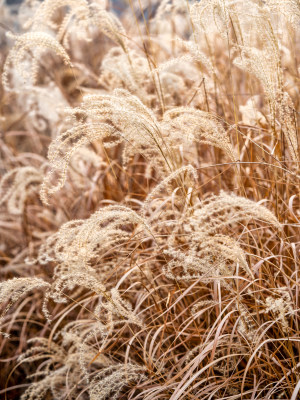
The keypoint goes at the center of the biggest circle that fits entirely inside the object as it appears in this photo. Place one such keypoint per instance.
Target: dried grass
(149, 209)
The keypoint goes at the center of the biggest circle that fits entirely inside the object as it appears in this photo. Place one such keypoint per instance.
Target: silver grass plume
(13, 289)
(78, 241)
(112, 119)
(281, 305)
(82, 15)
(16, 185)
(34, 43)
(211, 254)
(109, 382)
(199, 126)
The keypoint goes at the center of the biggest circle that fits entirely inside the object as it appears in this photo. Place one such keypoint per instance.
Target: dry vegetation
(149, 200)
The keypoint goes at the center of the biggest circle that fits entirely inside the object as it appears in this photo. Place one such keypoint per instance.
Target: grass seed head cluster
(149, 200)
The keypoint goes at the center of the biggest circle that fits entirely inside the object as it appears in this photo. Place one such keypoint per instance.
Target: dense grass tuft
(149, 200)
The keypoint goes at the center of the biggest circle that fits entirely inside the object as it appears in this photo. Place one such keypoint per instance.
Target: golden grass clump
(149, 200)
